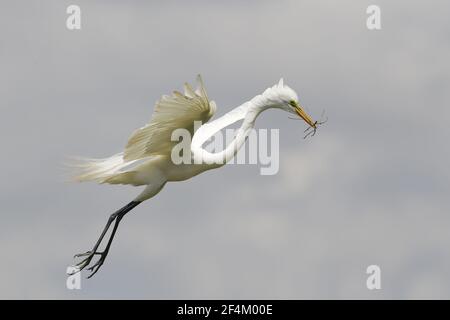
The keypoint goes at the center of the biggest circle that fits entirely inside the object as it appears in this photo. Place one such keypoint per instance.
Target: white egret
(147, 161)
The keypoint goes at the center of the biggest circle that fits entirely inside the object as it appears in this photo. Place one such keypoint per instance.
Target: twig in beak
(312, 132)
(316, 124)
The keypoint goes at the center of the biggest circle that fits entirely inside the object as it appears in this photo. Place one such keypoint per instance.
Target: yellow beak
(304, 115)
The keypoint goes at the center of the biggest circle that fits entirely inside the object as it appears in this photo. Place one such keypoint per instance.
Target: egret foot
(96, 266)
(116, 217)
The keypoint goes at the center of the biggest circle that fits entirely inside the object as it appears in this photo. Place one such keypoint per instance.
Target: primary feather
(171, 112)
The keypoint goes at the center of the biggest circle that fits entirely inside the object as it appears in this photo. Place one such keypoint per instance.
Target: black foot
(116, 217)
(86, 261)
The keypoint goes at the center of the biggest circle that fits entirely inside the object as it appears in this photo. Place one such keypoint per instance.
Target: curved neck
(248, 111)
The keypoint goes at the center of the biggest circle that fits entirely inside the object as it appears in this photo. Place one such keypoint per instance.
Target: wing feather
(170, 113)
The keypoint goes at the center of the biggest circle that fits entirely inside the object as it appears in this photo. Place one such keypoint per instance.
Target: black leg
(94, 268)
(117, 217)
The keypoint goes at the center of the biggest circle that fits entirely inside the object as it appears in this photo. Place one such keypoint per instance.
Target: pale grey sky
(371, 187)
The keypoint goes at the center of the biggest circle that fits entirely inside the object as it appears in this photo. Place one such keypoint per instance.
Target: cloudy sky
(372, 187)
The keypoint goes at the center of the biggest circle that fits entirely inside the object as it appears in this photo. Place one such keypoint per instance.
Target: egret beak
(304, 115)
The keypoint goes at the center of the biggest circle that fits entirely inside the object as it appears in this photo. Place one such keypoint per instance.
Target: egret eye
(293, 103)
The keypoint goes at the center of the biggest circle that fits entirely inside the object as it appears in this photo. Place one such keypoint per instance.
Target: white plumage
(147, 161)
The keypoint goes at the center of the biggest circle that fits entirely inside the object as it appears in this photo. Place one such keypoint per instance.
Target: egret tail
(98, 170)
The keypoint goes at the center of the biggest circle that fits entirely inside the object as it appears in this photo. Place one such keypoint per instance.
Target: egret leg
(94, 268)
(117, 217)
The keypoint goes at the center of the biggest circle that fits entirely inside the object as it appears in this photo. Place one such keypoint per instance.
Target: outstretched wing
(171, 112)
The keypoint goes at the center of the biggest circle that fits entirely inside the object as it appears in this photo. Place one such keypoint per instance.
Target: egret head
(282, 97)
